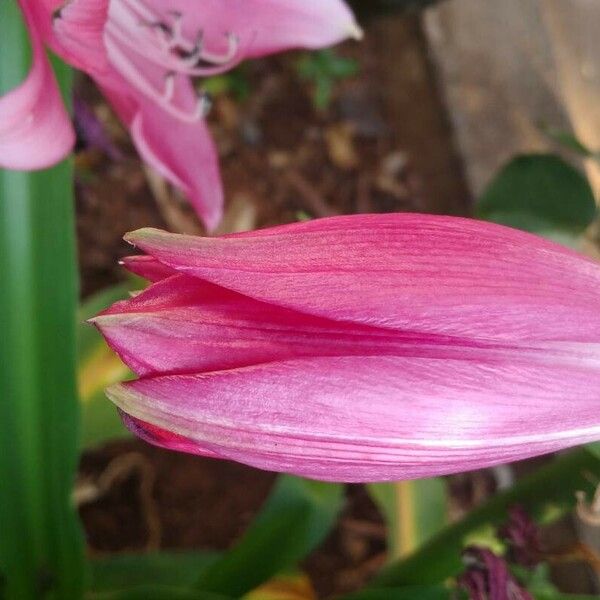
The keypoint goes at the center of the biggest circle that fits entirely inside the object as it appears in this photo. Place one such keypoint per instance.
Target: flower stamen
(136, 36)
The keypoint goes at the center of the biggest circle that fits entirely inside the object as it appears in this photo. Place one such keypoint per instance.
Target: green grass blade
(40, 543)
(413, 511)
(167, 569)
(295, 519)
(97, 368)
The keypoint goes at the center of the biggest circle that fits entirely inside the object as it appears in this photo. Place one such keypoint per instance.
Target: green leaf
(540, 193)
(100, 421)
(552, 487)
(97, 368)
(594, 448)
(413, 510)
(159, 592)
(412, 592)
(323, 68)
(570, 141)
(235, 83)
(296, 517)
(561, 596)
(41, 546)
(177, 569)
(538, 583)
(87, 335)
(293, 585)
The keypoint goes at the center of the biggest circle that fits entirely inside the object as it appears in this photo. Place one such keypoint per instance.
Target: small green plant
(570, 141)
(234, 83)
(323, 69)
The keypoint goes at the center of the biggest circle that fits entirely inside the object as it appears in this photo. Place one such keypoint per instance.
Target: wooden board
(507, 66)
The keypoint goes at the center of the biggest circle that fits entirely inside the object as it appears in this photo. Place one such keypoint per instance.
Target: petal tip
(116, 393)
(133, 237)
(102, 320)
(356, 32)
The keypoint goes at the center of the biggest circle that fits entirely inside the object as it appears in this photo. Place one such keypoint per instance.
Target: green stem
(41, 547)
(440, 558)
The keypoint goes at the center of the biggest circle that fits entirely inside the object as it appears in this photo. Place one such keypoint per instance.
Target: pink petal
(183, 153)
(182, 324)
(372, 418)
(147, 267)
(75, 31)
(185, 325)
(420, 273)
(35, 130)
(115, 44)
(265, 26)
(164, 439)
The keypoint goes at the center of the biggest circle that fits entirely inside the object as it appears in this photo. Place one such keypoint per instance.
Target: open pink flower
(145, 55)
(361, 348)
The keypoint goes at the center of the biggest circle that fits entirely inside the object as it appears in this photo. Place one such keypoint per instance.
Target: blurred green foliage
(540, 193)
(97, 368)
(550, 489)
(412, 592)
(171, 569)
(413, 511)
(570, 141)
(41, 544)
(537, 581)
(233, 83)
(322, 69)
(295, 519)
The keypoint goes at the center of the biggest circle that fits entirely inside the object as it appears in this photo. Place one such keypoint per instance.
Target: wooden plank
(507, 66)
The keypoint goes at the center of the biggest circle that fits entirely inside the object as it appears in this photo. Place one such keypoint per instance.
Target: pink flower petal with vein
(431, 274)
(185, 325)
(370, 418)
(147, 267)
(267, 26)
(35, 130)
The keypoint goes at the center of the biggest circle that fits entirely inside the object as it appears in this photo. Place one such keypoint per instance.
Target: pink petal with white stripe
(420, 273)
(185, 325)
(371, 418)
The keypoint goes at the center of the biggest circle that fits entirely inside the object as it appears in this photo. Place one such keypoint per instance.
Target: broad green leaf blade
(551, 487)
(123, 571)
(539, 585)
(561, 596)
(594, 449)
(97, 368)
(540, 193)
(412, 592)
(296, 517)
(100, 421)
(287, 586)
(41, 548)
(159, 592)
(413, 511)
(88, 337)
(569, 140)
